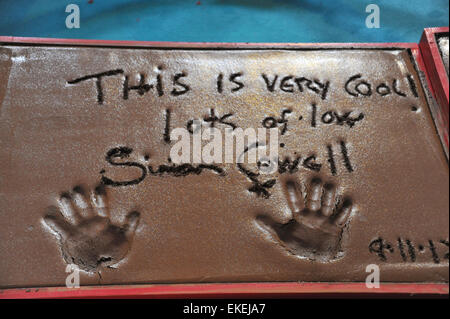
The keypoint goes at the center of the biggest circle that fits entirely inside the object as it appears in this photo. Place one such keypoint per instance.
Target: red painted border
(199, 45)
(437, 74)
(216, 290)
(234, 290)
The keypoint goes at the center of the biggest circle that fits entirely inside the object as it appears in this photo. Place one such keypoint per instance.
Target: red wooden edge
(234, 290)
(222, 290)
(200, 45)
(435, 68)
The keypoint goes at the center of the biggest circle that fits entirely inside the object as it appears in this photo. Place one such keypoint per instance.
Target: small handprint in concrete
(317, 222)
(85, 232)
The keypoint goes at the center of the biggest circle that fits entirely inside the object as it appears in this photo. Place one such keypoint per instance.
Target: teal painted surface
(224, 20)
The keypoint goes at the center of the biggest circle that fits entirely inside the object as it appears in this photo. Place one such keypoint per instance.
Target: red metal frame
(223, 290)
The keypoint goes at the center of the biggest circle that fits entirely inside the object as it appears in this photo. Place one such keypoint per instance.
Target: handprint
(86, 235)
(315, 229)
